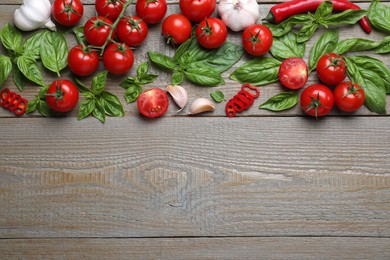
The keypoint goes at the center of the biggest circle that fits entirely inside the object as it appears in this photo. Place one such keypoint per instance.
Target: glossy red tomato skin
(293, 73)
(257, 39)
(176, 28)
(331, 69)
(118, 59)
(348, 98)
(132, 30)
(69, 97)
(97, 30)
(217, 35)
(83, 61)
(197, 10)
(67, 12)
(109, 8)
(317, 93)
(153, 103)
(151, 12)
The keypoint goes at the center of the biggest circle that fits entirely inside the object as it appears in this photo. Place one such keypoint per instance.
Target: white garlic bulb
(34, 14)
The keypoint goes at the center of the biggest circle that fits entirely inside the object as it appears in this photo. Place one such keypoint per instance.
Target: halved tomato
(153, 103)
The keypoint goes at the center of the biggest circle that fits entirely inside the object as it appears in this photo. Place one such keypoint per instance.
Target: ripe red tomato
(118, 58)
(97, 30)
(67, 12)
(153, 103)
(257, 39)
(331, 69)
(109, 8)
(317, 100)
(83, 61)
(293, 73)
(211, 33)
(197, 10)
(132, 30)
(176, 28)
(62, 95)
(348, 97)
(152, 11)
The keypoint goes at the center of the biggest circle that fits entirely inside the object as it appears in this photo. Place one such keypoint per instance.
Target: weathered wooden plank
(198, 248)
(195, 177)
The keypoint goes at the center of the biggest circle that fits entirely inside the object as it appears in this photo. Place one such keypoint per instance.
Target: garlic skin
(201, 105)
(34, 14)
(238, 14)
(179, 95)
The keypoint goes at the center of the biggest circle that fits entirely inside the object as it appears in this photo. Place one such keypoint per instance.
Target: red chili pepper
(13, 102)
(242, 101)
(282, 11)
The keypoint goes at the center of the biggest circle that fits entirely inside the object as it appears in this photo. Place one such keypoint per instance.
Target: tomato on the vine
(67, 12)
(293, 73)
(211, 33)
(317, 100)
(109, 8)
(83, 61)
(132, 30)
(331, 69)
(257, 39)
(348, 97)
(176, 28)
(62, 95)
(151, 11)
(153, 103)
(197, 10)
(97, 30)
(118, 58)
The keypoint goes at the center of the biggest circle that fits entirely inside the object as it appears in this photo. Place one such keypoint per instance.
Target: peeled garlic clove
(179, 95)
(201, 105)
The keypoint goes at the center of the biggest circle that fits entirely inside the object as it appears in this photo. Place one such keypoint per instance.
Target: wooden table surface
(261, 185)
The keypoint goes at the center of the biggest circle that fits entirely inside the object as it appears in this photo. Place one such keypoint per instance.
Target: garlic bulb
(238, 14)
(201, 105)
(34, 14)
(179, 95)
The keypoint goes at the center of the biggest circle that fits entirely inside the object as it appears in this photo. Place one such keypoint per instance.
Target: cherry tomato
(257, 39)
(293, 73)
(151, 11)
(211, 33)
(176, 28)
(109, 8)
(83, 61)
(331, 69)
(153, 103)
(348, 97)
(197, 10)
(317, 100)
(97, 30)
(132, 30)
(62, 95)
(118, 58)
(67, 12)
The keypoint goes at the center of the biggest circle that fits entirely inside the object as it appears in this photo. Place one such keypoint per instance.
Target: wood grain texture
(198, 248)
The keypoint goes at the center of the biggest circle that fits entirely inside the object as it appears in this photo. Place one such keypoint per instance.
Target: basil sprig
(54, 51)
(281, 101)
(39, 103)
(287, 46)
(379, 16)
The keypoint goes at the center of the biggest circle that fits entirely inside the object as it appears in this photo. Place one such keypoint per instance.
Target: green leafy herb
(281, 101)
(355, 44)
(286, 26)
(203, 75)
(32, 45)
(29, 68)
(325, 44)
(79, 33)
(384, 46)
(379, 16)
(6, 68)
(11, 38)
(287, 46)
(54, 51)
(218, 96)
(39, 103)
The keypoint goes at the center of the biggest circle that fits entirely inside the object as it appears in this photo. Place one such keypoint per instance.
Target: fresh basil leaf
(79, 33)
(384, 46)
(347, 17)
(11, 37)
(325, 44)
(32, 45)
(81, 86)
(132, 93)
(218, 96)
(177, 78)
(162, 60)
(86, 108)
(379, 16)
(355, 44)
(183, 48)
(111, 104)
(204, 76)
(287, 46)
(99, 112)
(323, 10)
(32, 106)
(307, 31)
(142, 69)
(19, 79)
(99, 82)
(5, 68)
(259, 71)
(30, 69)
(288, 24)
(148, 78)
(224, 57)
(54, 51)
(44, 109)
(281, 101)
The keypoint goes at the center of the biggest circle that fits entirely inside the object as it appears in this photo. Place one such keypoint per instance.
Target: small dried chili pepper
(242, 101)
(282, 11)
(13, 102)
